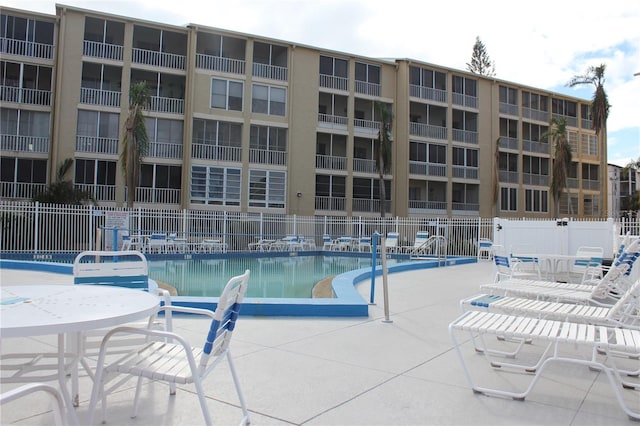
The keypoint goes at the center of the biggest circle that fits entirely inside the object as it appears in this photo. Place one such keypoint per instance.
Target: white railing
(533, 179)
(571, 121)
(216, 152)
(364, 166)
(423, 206)
(102, 50)
(369, 206)
(263, 156)
(593, 185)
(25, 96)
(535, 114)
(24, 143)
(464, 100)
(366, 88)
(465, 207)
(508, 177)
(427, 169)
(157, 196)
(106, 98)
(158, 59)
(509, 143)
(587, 124)
(99, 192)
(428, 93)
(508, 109)
(170, 105)
(331, 203)
(165, 150)
(535, 146)
(465, 172)
(366, 126)
(331, 162)
(20, 190)
(218, 63)
(271, 72)
(96, 145)
(428, 131)
(337, 122)
(466, 136)
(12, 46)
(333, 82)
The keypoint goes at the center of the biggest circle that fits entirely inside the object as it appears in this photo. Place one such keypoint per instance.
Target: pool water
(278, 277)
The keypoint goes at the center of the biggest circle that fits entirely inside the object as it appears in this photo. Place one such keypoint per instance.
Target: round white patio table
(36, 310)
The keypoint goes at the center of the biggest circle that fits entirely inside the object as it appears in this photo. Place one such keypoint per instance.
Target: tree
(383, 149)
(600, 102)
(561, 160)
(135, 141)
(62, 191)
(481, 63)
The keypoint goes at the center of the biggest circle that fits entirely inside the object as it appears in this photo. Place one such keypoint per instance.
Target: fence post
(374, 250)
(36, 228)
(385, 284)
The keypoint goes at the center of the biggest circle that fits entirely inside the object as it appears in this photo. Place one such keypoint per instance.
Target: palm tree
(135, 141)
(62, 191)
(383, 148)
(600, 102)
(561, 160)
(496, 177)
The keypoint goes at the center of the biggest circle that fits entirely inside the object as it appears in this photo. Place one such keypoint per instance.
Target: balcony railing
(423, 206)
(464, 100)
(336, 122)
(465, 172)
(216, 152)
(25, 96)
(20, 143)
(96, 49)
(372, 206)
(509, 143)
(331, 203)
(508, 109)
(364, 166)
(264, 156)
(21, 190)
(12, 46)
(428, 93)
(466, 136)
(571, 121)
(533, 179)
(158, 59)
(572, 183)
(96, 145)
(587, 124)
(169, 105)
(271, 72)
(333, 82)
(99, 192)
(428, 131)
(366, 126)
(593, 185)
(165, 150)
(106, 98)
(535, 146)
(331, 162)
(465, 207)
(218, 63)
(508, 177)
(366, 88)
(157, 195)
(535, 114)
(427, 169)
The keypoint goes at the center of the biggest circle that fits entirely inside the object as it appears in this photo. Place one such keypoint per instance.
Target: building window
(226, 94)
(335, 67)
(330, 186)
(215, 185)
(23, 170)
(267, 188)
(165, 137)
(219, 133)
(589, 145)
(508, 199)
(508, 95)
(465, 157)
(159, 176)
(464, 86)
(268, 138)
(98, 124)
(367, 73)
(427, 78)
(268, 100)
(592, 205)
(536, 201)
(95, 172)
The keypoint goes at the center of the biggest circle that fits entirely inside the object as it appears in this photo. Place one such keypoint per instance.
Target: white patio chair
(391, 243)
(156, 242)
(363, 244)
(327, 242)
(485, 249)
(587, 268)
(419, 243)
(524, 261)
(169, 357)
(59, 412)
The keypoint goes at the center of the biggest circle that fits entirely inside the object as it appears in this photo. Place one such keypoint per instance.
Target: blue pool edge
(346, 303)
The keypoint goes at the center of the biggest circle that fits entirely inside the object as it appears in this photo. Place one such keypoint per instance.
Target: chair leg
(243, 404)
(136, 398)
(203, 401)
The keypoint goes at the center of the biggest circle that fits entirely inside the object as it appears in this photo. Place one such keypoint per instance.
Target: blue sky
(539, 44)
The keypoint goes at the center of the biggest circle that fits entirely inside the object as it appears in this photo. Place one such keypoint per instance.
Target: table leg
(62, 379)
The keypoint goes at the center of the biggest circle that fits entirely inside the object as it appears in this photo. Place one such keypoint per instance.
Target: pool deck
(351, 371)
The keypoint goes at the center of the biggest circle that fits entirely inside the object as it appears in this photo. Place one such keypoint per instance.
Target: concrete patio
(351, 371)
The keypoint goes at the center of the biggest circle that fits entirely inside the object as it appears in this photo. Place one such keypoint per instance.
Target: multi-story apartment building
(240, 122)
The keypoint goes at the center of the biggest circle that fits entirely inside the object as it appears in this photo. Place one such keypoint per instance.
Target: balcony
(331, 203)
(218, 63)
(25, 96)
(21, 190)
(106, 98)
(362, 165)
(20, 143)
(168, 105)
(333, 82)
(535, 114)
(369, 127)
(535, 146)
(465, 100)
(534, 179)
(216, 152)
(472, 208)
(572, 183)
(158, 59)
(272, 72)
(586, 124)
(592, 185)
(97, 145)
(369, 206)
(11, 46)
(428, 93)
(96, 49)
(427, 169)
(571, 121)
(366, 88)
(465, 172)
(335, 122)
(509, 143)
(99, 192)
(508, 177)
(427, 207)
(466, 136)
(264, 156)
(331, 162)
(157, 195)
(508, 109)
(427, 131)
(165, 150)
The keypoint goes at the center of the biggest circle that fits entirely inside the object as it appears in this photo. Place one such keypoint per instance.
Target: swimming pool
(282, 277)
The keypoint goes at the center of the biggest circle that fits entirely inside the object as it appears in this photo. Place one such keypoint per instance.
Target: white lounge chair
(169, 357)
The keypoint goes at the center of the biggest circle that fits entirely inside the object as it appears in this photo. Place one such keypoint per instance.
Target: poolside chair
(419, 243)
(505, 269)
(362, 244)
(260, 245)
(170, 358)
(587, 268)
(485, 249)
(156, 242)
(579, 344)
(524, 261)
(327, 242)
(391, 243)
(59, 411)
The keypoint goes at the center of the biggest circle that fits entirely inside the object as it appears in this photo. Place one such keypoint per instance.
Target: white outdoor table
(553, 262)
(36, 310)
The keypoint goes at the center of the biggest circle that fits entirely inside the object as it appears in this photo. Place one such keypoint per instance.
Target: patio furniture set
(159, 242)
